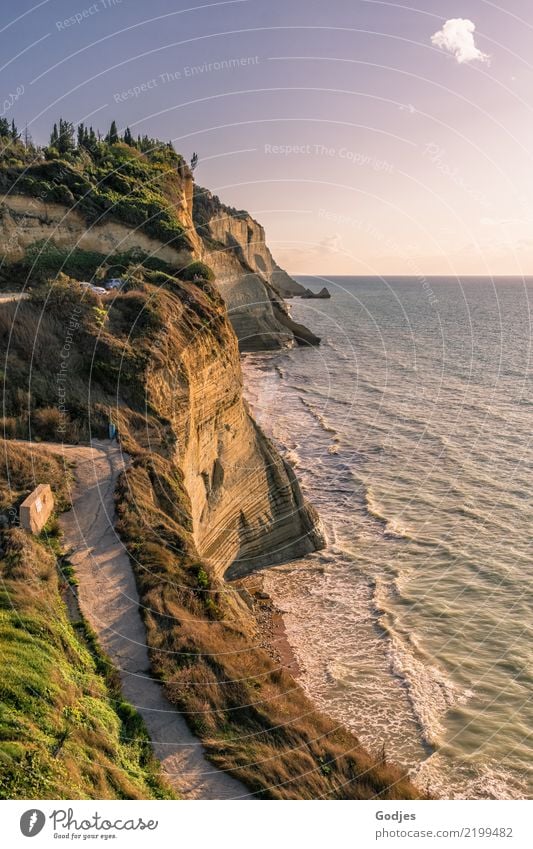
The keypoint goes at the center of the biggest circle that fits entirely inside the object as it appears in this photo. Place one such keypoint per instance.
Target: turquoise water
(410, 430)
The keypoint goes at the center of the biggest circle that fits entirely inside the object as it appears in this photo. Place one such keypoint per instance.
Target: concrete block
(35, 510)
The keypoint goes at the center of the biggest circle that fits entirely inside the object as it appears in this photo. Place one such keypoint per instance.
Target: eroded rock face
(25, 221)
(246, 505)
(234, 245)
(251, 282)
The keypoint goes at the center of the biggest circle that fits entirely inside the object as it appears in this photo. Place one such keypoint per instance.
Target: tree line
(66, 139)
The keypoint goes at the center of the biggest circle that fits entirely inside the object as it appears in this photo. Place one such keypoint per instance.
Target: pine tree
(128, 138)
(65, 140)
(112, 136)
(81, 135)
(4, 127)
(54, 136)
(14, 131)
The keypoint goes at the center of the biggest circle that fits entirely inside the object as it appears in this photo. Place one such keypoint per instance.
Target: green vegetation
(44, 260)
(135, 182)
(131, 353)
(65, 731)
(197, 271)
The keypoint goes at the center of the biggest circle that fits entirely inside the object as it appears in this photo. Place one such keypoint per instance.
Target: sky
(368, 137)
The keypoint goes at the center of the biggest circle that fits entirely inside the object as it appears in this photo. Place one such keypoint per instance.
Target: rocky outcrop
(246, 506)
(251, 282)
(25, 221)
(308, 294)
(232, 244)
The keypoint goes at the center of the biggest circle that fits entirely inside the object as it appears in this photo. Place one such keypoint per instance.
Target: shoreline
(271, 629)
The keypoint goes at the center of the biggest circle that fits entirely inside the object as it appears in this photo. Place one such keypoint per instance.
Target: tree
(4, 127)
(112, 136)
(92, 141)
(194, 161)
(63, 140)
(128, 138)
(14, 132)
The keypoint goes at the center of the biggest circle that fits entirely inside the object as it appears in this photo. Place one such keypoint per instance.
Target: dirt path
(109, 600)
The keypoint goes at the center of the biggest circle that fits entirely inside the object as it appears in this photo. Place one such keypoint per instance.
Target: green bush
(135, 189)
(198, 270)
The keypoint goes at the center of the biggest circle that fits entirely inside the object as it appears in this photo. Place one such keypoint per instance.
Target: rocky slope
(99, 217)
(206, 496)
(251, 282)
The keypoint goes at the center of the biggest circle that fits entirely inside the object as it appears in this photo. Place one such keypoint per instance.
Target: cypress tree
(65, 141)
(112, 136)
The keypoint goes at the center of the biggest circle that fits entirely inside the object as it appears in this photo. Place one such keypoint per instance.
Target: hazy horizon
(367, 137)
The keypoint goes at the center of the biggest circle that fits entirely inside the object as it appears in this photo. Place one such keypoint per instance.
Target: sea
(409, 429)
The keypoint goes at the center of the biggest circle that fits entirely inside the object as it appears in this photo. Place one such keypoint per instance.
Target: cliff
(128, 203)
(251, 282)
(246, 506)
(207, 495)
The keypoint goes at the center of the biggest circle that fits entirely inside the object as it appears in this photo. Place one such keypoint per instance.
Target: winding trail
(109, 600)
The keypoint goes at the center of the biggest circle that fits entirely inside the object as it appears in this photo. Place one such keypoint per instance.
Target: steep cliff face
(251, 282)
(246, 506)
(28, 221)
(135, 205)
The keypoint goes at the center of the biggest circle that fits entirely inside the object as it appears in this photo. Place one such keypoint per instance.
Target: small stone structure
(35, 510)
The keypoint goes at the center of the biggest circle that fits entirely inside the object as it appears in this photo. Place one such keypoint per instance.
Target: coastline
(271, 630)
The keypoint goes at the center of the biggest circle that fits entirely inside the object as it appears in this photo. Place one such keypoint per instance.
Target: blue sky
(361, 144)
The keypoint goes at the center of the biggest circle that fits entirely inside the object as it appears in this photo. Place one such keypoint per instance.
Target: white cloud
(457, 37)
(331, 244)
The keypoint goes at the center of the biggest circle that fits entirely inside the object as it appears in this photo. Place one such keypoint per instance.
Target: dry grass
(22, 469)
(252, 717)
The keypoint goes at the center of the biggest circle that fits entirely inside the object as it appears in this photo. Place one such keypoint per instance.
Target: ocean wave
(319, 417)
(390, 526)
(450, 778)
(430, 691)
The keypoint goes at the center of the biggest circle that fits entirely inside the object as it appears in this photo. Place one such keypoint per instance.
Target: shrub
(47, 422)
(198, 271)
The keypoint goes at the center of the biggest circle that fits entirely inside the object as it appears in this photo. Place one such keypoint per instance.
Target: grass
(65, 730)
(120, 183)
(252, 717)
